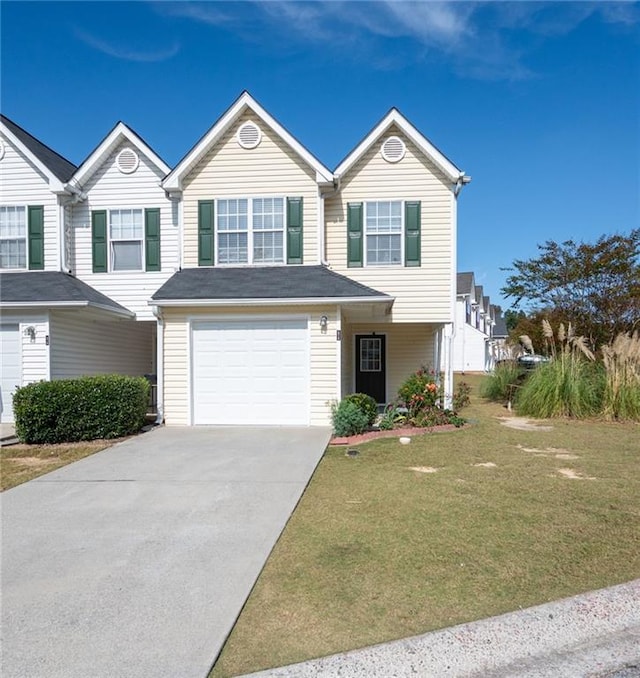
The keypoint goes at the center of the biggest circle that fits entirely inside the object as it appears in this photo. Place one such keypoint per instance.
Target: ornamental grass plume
(621, 357)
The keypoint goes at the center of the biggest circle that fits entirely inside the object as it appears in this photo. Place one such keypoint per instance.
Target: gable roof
(310, 284)
(500, 328)
(479, 294)
(173, 182)
(120, 132)
(53, 288)
(464, 283)
(50, 162)
(394, 117)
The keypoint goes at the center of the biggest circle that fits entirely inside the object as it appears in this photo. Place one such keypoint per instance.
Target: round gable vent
(127, 161)
(393, 149)
(249, 135)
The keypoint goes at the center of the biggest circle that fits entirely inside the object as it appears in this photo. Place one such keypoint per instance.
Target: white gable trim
(119, 133)
(55, 184)
(394, 117)
(173, 182)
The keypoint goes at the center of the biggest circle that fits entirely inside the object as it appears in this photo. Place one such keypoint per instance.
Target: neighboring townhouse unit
(476, 347)
(52, 323)
(300, 285)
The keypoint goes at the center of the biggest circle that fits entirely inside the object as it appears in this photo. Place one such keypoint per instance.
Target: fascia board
(66, 304)
(290, 301)
(55, 184)
(119, 132)
(173, 182)
(395, 117)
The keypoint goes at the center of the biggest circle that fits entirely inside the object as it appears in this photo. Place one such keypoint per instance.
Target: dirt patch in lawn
(557, 452)
(523, 424)
(423, 469)
(573, 474)
(486, 464)
(32, 461)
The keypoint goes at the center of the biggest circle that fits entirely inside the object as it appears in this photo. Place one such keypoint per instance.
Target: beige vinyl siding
(108, 189)
(324, 350)
(230, 171)
(83, 344)
(424, 293)
(22, 184)
(408, 347)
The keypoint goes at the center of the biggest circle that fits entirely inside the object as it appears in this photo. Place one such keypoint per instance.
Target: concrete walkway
(136, 561)
(596, 634)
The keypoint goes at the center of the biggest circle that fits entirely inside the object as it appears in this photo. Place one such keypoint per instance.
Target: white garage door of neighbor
(250, 372)
(10, 370)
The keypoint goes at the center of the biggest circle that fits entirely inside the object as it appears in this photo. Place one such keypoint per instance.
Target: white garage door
(10, 369)
(250, 372)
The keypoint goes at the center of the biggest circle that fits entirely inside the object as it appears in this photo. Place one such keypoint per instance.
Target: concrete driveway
(137, 561)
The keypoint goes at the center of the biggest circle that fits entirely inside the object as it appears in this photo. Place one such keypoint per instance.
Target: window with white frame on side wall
(125, 239)
(383, 233)
(22, 237)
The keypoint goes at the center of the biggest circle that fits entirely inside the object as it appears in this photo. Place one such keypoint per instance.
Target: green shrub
(420, 390)
(87, 408)
(348, 419)
(366, 404)
(503, 383)
(435, 416)
(392, 417)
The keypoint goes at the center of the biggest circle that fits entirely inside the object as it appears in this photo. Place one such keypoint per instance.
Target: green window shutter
(412, 234)
(152, 239)
(99, 241)
(36, 237)
(294, 230)
(354, 234)
(206, 232)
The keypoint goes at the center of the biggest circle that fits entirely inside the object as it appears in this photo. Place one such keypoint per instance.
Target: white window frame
(250, 231)
(365, 234)
(26, 238)
(112, 240)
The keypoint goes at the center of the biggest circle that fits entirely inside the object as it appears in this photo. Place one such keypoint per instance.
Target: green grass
(376, 551)
(19, 463)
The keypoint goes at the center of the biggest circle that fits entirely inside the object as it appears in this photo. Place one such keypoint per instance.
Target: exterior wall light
(324, 321)
(31, 333)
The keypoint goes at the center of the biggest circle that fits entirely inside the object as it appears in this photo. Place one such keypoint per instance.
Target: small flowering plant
(420, 391)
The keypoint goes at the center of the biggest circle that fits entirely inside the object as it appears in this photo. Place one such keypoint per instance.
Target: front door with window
(370, 366)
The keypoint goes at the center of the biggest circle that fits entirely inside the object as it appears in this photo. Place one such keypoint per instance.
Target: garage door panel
(250, 371)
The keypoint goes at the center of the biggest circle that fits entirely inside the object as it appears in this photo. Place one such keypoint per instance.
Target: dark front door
(370, 366)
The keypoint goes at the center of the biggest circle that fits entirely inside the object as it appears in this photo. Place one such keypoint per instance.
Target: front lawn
(453, 527)
(20, 463)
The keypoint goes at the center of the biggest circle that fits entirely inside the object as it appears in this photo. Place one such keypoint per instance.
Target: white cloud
(127, 53)
(477, 38)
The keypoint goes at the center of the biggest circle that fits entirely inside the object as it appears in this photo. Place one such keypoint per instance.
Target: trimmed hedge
(87, 408)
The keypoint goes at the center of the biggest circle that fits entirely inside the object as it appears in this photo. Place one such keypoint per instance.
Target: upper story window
(125, 240)
(384, 233)
(13, 237)
(250, 230)
(126, 235)
(467, 310)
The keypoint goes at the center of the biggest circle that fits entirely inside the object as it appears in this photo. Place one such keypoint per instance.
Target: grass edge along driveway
(454, 527)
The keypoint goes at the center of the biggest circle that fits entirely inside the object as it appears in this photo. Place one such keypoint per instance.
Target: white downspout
(159, 364)
(448, 365)
(321, 230)
(339, 353)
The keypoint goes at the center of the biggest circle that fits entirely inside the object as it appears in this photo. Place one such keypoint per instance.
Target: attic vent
(249, 135)
(127, 161)
(393, 149)
(1, 149)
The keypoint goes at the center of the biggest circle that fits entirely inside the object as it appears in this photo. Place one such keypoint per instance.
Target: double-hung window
(13, 237)
(126, 235)
(383, 232)
(250, 230)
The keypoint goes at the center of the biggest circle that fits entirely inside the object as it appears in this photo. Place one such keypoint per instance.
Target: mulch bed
(394, 433)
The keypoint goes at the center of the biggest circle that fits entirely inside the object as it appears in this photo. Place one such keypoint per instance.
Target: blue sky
(538, 102)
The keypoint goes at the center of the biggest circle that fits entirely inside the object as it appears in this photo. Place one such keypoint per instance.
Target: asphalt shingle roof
(268, 282)
(464, 283)
(50, 287)
(59, 166)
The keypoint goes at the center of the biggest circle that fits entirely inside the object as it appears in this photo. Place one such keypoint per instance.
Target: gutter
(308, 301)
(159, 364)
